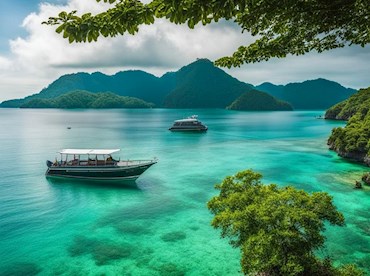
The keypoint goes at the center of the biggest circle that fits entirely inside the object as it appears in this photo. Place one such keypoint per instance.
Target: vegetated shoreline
(355, 157)
(353, 140)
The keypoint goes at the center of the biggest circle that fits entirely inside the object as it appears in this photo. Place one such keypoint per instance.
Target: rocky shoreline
(359, 157)
(366, 178)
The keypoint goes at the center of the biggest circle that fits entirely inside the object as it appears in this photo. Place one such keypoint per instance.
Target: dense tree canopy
(85, 99)
(282, 26)
(277, 229)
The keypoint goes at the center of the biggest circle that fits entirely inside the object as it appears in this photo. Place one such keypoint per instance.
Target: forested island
(84, 99)
(353, 140)
(259, 101)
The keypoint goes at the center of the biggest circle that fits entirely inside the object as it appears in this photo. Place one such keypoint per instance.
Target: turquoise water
(161, 227)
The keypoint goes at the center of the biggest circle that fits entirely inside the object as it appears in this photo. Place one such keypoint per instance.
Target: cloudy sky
(33, 55)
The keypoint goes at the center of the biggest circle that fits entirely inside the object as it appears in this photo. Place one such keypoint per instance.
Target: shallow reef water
(160, 225)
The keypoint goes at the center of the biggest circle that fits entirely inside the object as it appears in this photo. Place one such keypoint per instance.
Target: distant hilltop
(310, 94)
(197, 85)
(259, 101)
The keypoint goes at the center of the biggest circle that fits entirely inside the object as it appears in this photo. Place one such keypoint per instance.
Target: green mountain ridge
(310, 94)
(197, 85)
(353, 140)
(133, 83)
(259, 101)
(85, 99)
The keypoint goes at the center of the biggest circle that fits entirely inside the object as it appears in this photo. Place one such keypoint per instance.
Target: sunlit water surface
(161, 227)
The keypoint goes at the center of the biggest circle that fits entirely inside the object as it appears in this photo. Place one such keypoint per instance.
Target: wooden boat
(189, 124)
(96, 164)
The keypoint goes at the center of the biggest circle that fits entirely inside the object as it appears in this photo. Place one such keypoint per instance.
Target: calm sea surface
(162, 227)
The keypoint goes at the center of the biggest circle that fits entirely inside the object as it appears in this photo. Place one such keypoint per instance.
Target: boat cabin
(86, 157)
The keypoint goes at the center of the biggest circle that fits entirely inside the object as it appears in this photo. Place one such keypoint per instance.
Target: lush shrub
(276, 228)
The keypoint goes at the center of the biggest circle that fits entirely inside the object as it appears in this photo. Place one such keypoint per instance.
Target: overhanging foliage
(282, 27)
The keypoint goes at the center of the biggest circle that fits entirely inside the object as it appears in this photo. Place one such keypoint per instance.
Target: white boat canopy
(88, 151)
(192, 118)
(186, 120)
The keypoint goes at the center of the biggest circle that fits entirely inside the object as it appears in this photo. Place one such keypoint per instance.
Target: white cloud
(5, 63)
(43, 56)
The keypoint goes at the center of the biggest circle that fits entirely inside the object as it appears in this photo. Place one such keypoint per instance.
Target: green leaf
(86, 16)
(89, 37)
(191, 23)
(63, 15)
(71, 38)
(60, 28)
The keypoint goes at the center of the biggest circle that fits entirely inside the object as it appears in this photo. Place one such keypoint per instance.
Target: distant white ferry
(189, 124)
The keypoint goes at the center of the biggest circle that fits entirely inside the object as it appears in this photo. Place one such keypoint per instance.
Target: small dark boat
(189, 124)
(96, 164)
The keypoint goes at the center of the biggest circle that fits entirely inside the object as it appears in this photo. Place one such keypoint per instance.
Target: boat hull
(98, 173)
(188, 129)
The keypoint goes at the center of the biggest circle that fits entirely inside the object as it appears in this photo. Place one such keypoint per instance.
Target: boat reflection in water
(96, 164)
(189, 124)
